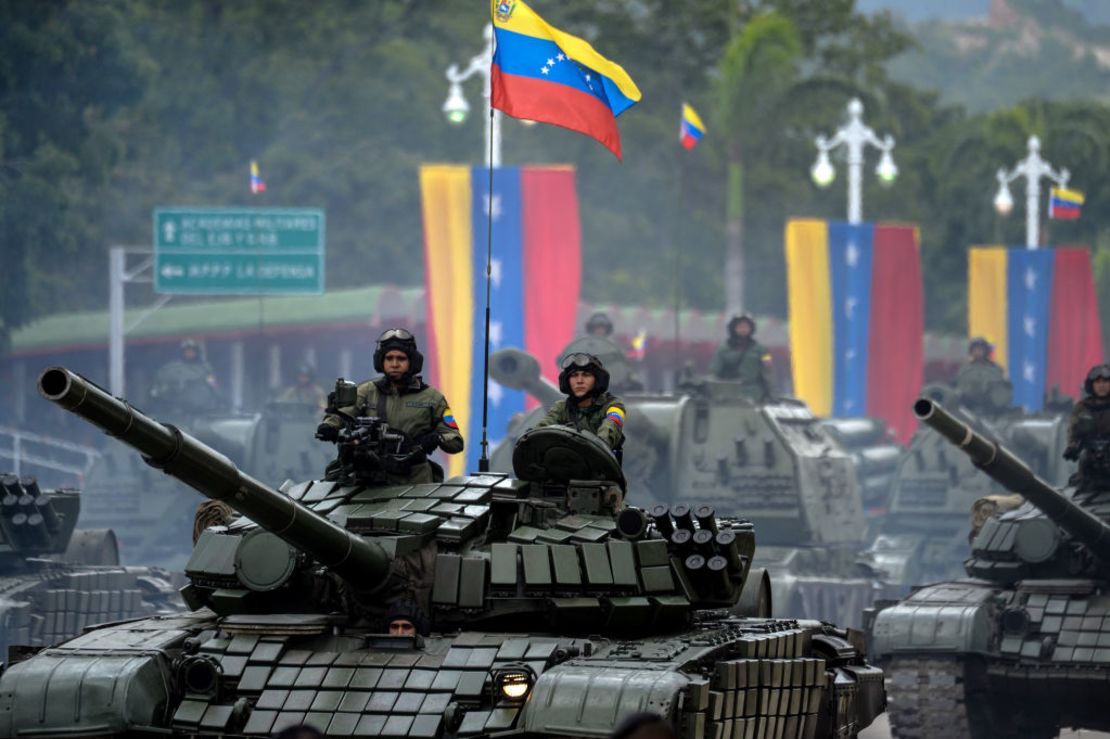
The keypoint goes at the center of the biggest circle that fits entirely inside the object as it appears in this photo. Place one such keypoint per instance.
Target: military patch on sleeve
(766, 358)
(449, 418)
(615, 414)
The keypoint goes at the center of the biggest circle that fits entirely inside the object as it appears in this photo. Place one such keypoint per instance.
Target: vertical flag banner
(257, 185)
(1065, 204)
(690, 128)
(856, 319)
(535, 280)
(542, 74)
(1038, 307)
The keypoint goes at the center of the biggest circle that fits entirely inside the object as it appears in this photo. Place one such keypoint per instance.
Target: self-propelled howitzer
(544, 608)
(1019, 649)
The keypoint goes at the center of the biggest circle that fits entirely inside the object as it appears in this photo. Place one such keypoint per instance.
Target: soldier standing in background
(1089, 428)
(599, 325)
(405, 402)
(979, 374)
(187, 383)
(740, 358)
(588, 405)
(305, 389)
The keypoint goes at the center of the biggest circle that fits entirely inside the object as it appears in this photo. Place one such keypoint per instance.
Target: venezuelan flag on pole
(1064, 204)
(691, 129)
(1038, 307)
(856, 319)
(542, 74)
(257, 185)
(536, 274)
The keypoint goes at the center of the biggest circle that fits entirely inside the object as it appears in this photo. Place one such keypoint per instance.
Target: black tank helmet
(737, 320)
(599, 320)
(1099, 371)
(194, 345)
(589, 363)
(979, 341)
(402, 339)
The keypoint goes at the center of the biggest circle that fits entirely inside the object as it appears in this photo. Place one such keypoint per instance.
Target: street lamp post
(855, 135)
(456, 108)
(1032, 168)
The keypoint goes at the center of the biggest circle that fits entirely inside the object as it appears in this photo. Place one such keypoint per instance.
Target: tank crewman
(187, 381)
(979, 374)
(742, 359)
(1089, 426)
(404, 401)
(305, 389)
(588, 405)
(599, 325)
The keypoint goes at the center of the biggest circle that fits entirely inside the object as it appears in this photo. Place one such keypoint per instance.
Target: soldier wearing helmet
(742, 359)
(404, 401)
(187, 383)
(305, 390)
(1089, 427)
(588, 406)
(981, 383)
(599, 325)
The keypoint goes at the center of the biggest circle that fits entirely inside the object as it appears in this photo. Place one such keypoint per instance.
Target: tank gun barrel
(1014, 475)
(521, 371)
(213, 475)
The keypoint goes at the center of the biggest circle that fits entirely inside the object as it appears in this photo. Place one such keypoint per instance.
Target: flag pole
(483, 461)
(678, 268)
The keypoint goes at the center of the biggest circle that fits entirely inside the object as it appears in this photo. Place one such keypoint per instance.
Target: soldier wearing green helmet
(742, 359)
(1089, 428)
(588, 406)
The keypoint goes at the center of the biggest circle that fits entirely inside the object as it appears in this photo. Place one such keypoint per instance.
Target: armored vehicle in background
(1022, 646)
(772, 463)
(923, 537)
(146, 509)
(543, 609)
(55, 581)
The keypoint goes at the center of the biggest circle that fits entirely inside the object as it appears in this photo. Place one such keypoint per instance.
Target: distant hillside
(1015, 50)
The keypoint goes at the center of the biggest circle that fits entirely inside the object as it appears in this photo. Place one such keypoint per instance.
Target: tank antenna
(483, 461)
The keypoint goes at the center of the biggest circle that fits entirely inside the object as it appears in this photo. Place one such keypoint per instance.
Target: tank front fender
(948, 617)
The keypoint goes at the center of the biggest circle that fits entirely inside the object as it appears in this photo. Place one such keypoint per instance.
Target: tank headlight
(514, 682)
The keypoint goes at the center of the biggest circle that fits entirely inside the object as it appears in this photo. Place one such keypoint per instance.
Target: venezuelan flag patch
(766, 358)
(449, 418)
(614, 413)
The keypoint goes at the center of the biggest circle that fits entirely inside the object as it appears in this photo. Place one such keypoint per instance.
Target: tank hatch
(561, 454)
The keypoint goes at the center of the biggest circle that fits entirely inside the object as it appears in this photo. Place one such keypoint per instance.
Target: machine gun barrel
(212, 474)
(1014, 475)
(521, 371)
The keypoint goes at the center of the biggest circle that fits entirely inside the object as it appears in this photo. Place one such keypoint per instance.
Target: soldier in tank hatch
(740, 358)
(404, 401)
(588, 406)
(187, 382)
(305, 389)
(599, 325)
(980, 376)
(1089, 429)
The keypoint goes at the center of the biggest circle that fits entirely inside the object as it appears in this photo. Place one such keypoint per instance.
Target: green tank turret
(542, 607)
(772, 463)
(1016, 649)
(54, 580)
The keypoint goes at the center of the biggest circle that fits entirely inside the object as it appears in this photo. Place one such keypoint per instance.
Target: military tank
(55, 581)
(146, 509)
(773, 463)
(1021, 647)
(923, 536)
(547, 609)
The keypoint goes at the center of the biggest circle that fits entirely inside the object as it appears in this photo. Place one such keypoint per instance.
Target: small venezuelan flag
(639, 345)
(691, 130)
(543, 74)
(1065, 204)
(449, 418)
(257, 185)
(615, 414)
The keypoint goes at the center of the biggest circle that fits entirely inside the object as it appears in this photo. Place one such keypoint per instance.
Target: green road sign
(238, 250)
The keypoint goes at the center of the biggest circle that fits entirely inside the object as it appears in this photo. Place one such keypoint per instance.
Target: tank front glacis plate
(949, 617)
(733, 677)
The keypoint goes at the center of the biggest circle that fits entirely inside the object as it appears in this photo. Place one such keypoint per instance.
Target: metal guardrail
(64, 462)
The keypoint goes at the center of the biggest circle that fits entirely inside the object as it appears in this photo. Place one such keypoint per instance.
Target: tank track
(927, 698)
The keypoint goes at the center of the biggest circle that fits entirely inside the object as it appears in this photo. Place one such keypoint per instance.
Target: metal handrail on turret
(1010, 472)
(355, 559)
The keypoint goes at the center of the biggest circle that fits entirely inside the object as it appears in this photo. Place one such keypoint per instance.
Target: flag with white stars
(1038, 307)
(534, 279)
(850, 255)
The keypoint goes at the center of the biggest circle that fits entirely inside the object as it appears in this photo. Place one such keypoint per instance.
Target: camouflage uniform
(976, 378)
(1089, 432)
(745, 361)
(417, 409)
(185, 383)
(603, 417)
(311, 394)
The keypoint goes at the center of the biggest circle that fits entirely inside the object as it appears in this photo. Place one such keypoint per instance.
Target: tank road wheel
(947, 698)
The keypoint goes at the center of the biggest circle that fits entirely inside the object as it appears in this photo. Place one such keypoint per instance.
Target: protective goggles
(396, 333)
(579, 359)
(1101, 372)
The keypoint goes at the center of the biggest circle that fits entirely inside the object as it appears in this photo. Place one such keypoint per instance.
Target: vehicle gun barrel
(521, 371)
(178, 454)
(1014, 475)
